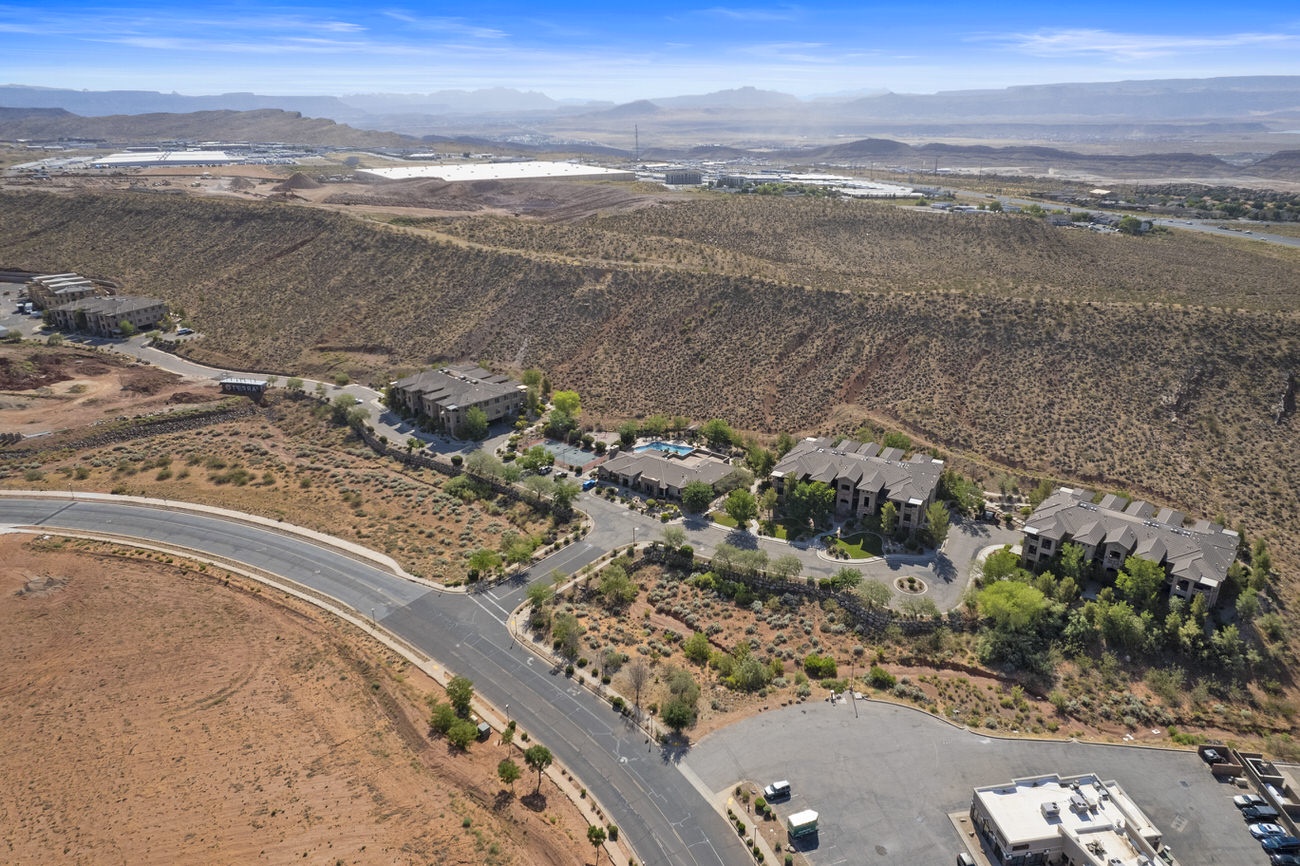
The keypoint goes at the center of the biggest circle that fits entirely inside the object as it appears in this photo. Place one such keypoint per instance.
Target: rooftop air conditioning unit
(1051, 809)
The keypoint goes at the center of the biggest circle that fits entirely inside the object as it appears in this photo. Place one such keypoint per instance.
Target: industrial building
(166, 158)
(533, 170)
(1064, 821)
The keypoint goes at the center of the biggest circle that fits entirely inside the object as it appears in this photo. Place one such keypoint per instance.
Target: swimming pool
(666, 447)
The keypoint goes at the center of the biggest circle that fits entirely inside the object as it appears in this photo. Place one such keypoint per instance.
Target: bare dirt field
(154, 714)
(46, 390)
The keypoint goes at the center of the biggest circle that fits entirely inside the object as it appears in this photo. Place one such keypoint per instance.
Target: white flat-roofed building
(1076, 820)
(152, 159)
(534, 170)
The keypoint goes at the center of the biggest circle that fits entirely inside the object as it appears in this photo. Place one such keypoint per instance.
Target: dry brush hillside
(1150, 365)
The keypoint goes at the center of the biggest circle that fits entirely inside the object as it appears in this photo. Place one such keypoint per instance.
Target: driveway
(884, 781)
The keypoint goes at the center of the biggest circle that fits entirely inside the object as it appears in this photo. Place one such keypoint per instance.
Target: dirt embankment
(156, 715)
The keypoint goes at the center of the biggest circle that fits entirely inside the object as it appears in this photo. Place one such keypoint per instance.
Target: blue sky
(625, 51)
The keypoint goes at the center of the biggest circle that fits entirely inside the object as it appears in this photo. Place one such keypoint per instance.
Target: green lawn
(862, 545)
(724, 518)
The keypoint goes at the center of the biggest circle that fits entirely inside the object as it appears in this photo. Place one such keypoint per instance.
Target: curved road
(665, 818)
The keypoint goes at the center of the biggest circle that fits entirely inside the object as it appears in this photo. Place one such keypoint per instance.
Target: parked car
(1281, 844)
(1243, 801)
(1264, 829)
(589, 483)
(964, 859)
(777, 790)
(1253, 814)
(1284, 858)
(1212, 756)
(184, 332)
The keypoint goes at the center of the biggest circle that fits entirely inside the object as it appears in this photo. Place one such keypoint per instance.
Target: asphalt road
(666, 820)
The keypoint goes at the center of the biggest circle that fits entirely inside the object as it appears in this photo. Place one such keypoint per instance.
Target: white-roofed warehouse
(534, 170)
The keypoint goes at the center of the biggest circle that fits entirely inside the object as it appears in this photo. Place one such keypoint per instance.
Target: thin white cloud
(453, 26)
(789, 52)
(778, 13)
(1133, 46)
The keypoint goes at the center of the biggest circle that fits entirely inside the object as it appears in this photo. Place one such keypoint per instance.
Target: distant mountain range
(1166, 122)
(1248, 99)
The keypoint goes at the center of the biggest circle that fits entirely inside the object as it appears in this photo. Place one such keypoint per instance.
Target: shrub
(880, 678)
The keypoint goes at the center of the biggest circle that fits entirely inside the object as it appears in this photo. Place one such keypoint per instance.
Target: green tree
(562, 497)
(340, 406)
(809, 501)
(627, 434)
(483, 561)
(532, 377)
(760, 459)
(541, 594)
(741, 507)
(674, 536)
(718, 434)
(596, 836)
(888, 518)
(616, 588)
(508, 772)
(678, 715)
(293, 385)
(846, 579)
(1140, 582)
(1011, 605)
(535, 458)
(538, 758)
(767, 503)
(696, 648)
(680, 710)
(128, 330)
(460, 691)
(786, 566)
(567, 402)
(1001, 564)
(567, 633)
(696, 496)
(474, 425)
(1073, 565)
(1130, 225)
(937, 520)
(784, 443)
(463, 732)
(441, 717)
(876, 595)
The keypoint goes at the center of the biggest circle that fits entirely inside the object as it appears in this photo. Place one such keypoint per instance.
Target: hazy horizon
(582, 50)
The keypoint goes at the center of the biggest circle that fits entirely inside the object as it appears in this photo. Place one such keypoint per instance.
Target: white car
(1242, 801)
(1260, 831)
(777, 790)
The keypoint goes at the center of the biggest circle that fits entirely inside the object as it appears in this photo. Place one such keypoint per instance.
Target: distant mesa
(298, 180)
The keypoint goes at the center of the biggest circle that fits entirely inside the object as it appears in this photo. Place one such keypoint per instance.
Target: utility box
(802, 823)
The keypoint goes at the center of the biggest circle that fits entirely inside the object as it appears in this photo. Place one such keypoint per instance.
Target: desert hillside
(1148, 365)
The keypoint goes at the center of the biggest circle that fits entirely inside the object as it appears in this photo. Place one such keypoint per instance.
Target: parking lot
(885, 781)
